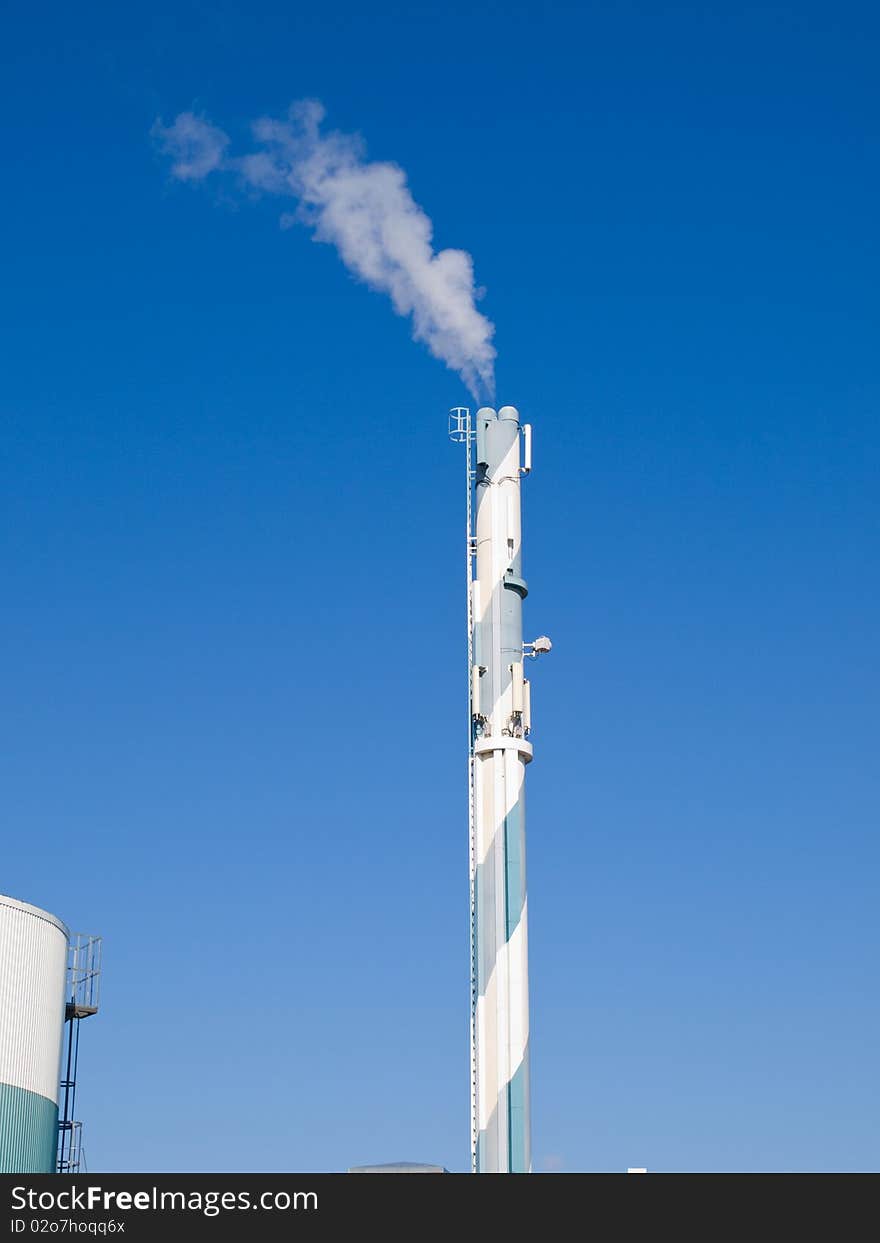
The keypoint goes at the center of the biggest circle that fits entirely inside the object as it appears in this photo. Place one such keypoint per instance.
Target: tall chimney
(499, 453)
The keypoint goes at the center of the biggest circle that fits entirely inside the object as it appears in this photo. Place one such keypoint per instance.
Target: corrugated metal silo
(33, 966)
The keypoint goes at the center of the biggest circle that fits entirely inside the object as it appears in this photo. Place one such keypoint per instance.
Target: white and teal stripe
(33, 964)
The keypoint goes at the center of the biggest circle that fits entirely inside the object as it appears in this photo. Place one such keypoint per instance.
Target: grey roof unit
(398, 1167)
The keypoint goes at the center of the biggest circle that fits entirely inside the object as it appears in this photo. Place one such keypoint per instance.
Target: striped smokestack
(499, 710)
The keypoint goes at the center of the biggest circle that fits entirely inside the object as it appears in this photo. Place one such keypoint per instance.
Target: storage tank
(33, 967)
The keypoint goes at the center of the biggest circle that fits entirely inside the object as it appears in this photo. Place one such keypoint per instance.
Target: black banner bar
(553, 1206)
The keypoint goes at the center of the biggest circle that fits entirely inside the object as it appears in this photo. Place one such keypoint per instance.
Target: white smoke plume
(365, 209)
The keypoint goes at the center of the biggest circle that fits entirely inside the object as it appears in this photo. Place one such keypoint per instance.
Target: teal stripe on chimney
(517, 1115)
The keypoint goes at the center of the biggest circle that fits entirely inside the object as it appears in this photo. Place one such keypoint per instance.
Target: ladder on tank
(82, 996)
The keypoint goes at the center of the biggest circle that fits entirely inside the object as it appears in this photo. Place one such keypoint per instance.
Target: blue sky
(232, 634)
